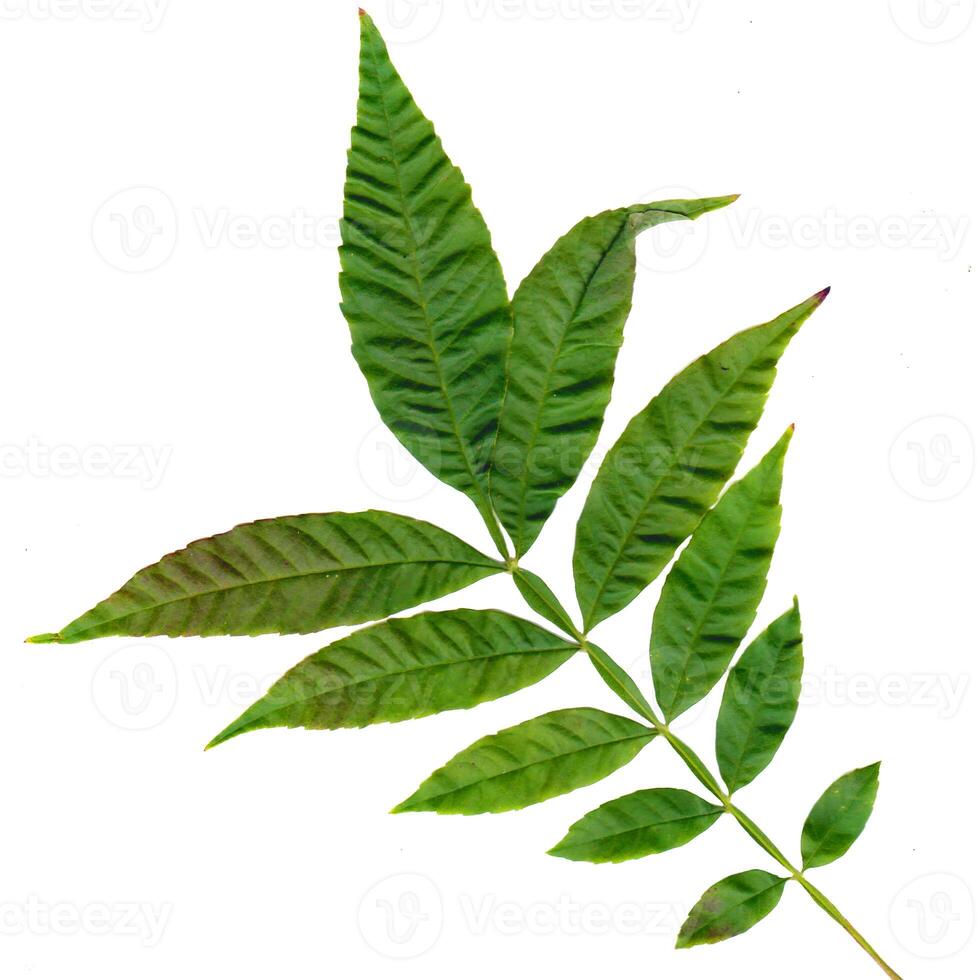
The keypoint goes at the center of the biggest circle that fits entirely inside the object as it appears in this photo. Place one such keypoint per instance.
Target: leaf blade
(711, 594)
(760, 701)
(569, 315)
(422, 289)
(731, 907)
(649, 821)
(671, 462)
(531, 762)
(408, 668)
(839, 816)
(287, 575)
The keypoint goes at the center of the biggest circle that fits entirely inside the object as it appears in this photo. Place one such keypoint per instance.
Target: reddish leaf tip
(822, 295)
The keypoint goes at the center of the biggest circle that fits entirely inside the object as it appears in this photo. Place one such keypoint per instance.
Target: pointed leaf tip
(822, 295)
(361, 12)
(44, 638)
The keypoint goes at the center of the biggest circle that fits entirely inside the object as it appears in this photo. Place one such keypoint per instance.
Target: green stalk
(620, 684)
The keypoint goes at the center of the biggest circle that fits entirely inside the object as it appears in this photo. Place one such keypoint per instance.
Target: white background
(214, 351)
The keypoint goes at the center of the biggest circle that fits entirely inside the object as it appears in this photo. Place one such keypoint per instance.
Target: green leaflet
(619, 682)
(671, 462)
(761, 696)
(648, 822)
(731, 907)
(839, 816)
(408, 668)
(542, 600)
(568, 327)
(422, 288)
(531, 762)
(287, 575)
(710, 597)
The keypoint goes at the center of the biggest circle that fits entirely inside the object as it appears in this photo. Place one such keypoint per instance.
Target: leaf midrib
(648, 735)
(539, 402)
(326, 573)
(716, 812)
(702, 619)
(423, 668)
(707, 923)
(423, 303)
(675, 453)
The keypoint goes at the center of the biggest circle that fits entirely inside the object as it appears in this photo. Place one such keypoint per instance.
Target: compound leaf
(731, 907)
(423, 291)
(287, 575)
(408, 668)
(839, 816)
(647, 822)
(569, 315)
(670, 464)
(761, 696)
(710, 597)
(531, 762)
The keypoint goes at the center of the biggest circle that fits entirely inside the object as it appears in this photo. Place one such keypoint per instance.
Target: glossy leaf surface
(287, 575)
(761, 696)
(569, 315)
(422, 288)
(731, 907)
(839, 816)
(531, 762)
(670, 464)
(408, 668)
(710, 597)
(647, 822)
